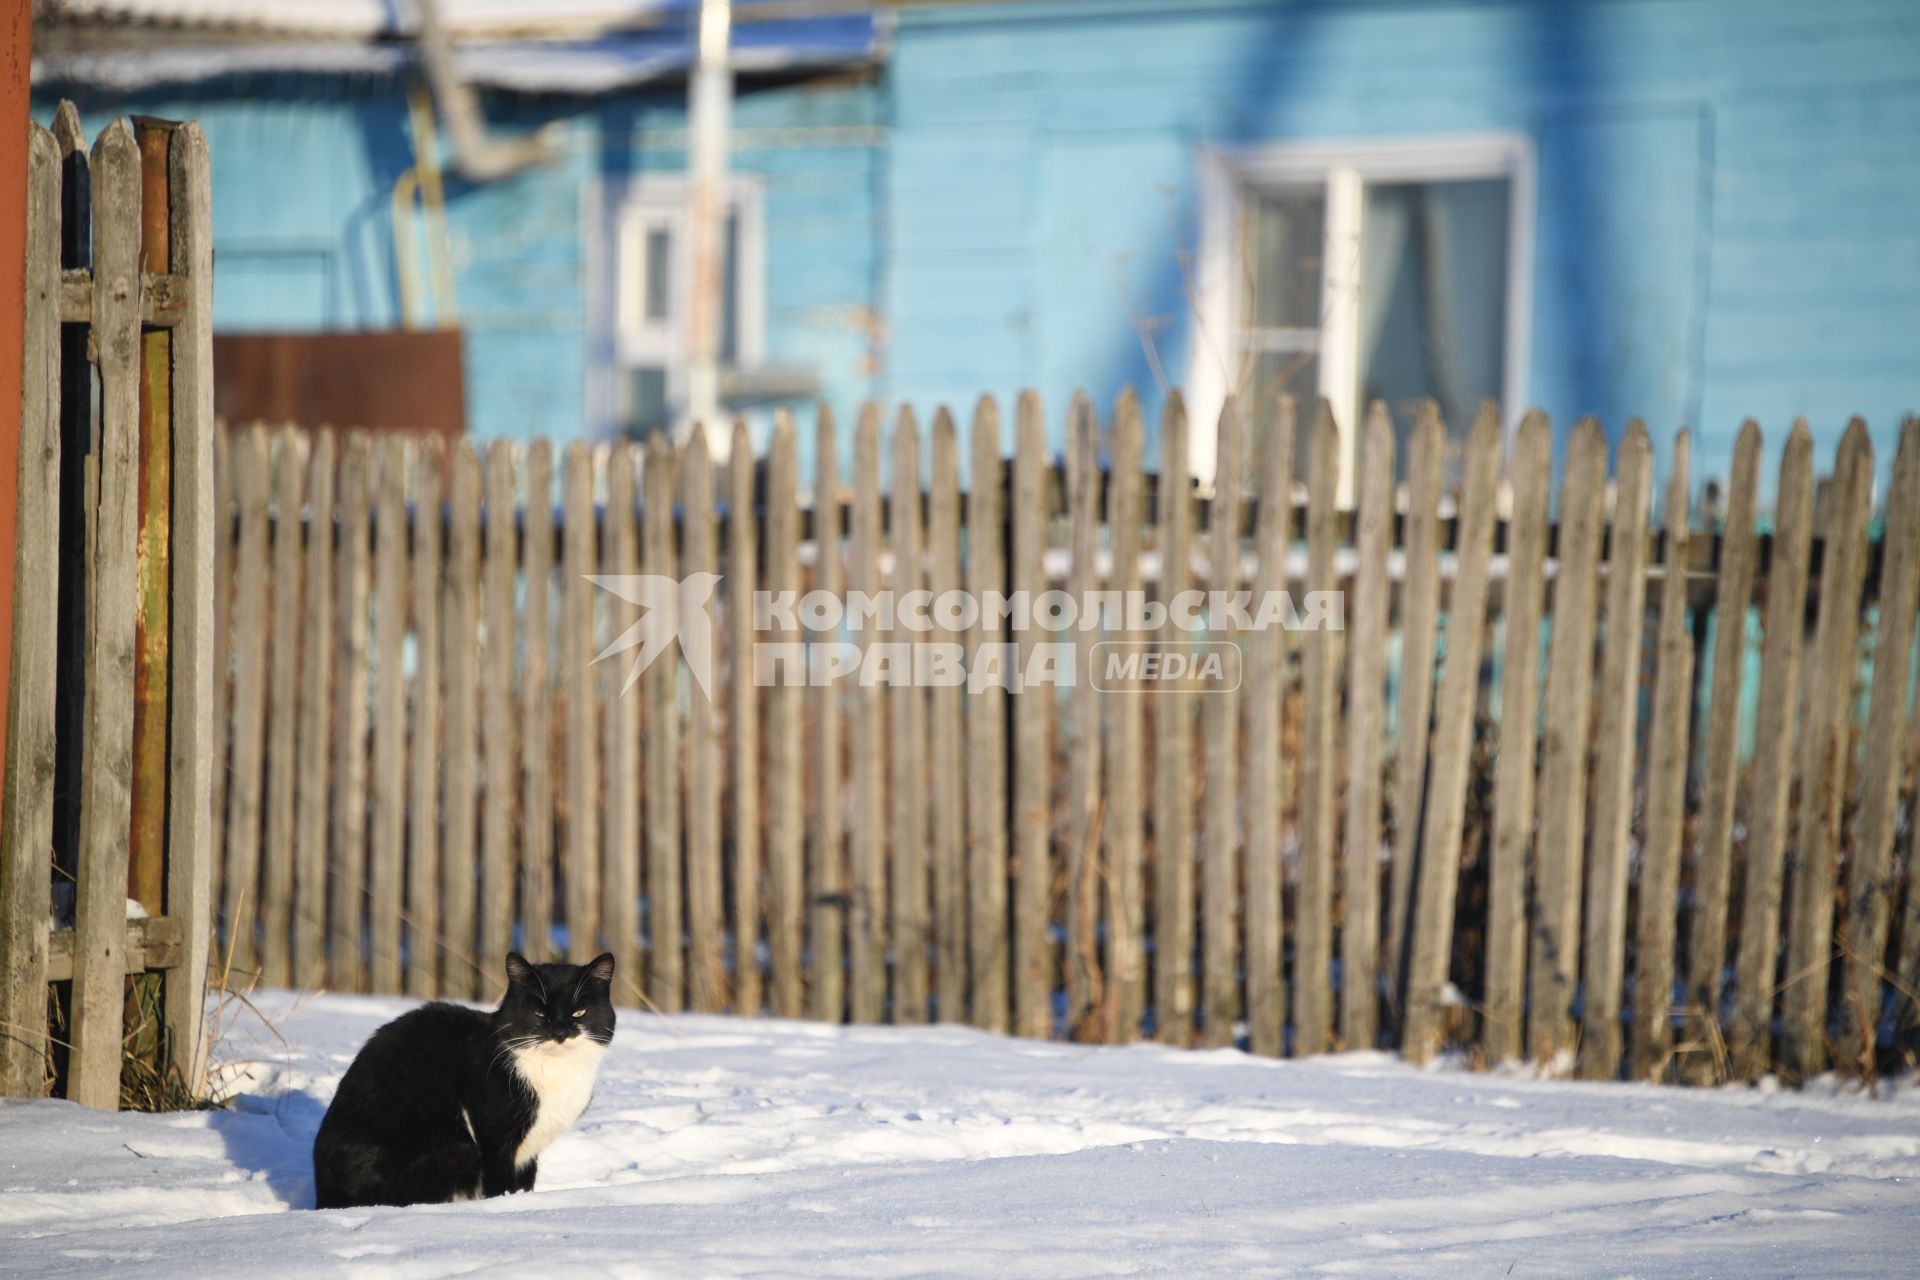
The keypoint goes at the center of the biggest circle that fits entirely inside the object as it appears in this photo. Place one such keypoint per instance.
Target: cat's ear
(600, 968)
(519, 972)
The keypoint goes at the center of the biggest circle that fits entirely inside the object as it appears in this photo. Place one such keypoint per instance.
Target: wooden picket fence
(1509, 798)
(106, 841)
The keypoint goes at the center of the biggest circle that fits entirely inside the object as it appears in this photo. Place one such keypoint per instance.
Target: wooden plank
(1604, 969)
(223, 522)
(1219, 898)
(619, 558)
(946, 816)
(580, 855)
(1173, 754)
(1826, 739)
(1668, 751)
(826, 843)
(1702, 1060)
(1122, 827)
(666, 960)
(26, 819)
(988, 953)
(906, 745)
(1032, 739)
(346, 966)
(867, 934)
(153, 550)
(1419, 612)
(536, 691)
(1438, 880)
(107, 764)
(1082, 961)
(785, 803)
(459, 647)
(1750, 1036)
(743, 711)
(194, 745)
(1530, 470)
(620, 723)
(283, 686)
(1872, 883)
(249, 646)
(423, 818)
(1266, 691)
(1366, 716)
(1554, 963)
(706, 912)
(1313, 941)
(387, 848)
(500, 718)
(316, 750)
(156, 942)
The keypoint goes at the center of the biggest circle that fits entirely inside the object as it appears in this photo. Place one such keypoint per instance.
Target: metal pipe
(709, 112)
(478, 156)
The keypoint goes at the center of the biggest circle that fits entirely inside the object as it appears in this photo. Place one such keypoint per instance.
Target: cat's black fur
(438, 1104)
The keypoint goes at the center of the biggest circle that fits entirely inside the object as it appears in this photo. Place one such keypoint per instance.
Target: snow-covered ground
(720, 1146)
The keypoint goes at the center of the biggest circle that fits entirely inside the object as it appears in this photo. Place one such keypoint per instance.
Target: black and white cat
(449, 1103)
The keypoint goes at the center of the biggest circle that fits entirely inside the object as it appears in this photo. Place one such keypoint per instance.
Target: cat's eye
(579, 1013)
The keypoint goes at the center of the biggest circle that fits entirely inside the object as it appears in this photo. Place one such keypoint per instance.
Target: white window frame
(1344, 169)
(620, 336)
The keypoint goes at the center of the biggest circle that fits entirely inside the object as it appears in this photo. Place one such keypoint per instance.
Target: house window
(1392, 271)
(643, 378)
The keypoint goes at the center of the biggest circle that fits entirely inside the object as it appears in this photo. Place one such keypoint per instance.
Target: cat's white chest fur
(561, 1078)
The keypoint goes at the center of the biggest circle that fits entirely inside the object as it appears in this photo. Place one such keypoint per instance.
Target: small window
(1376, 271)
(648, 350)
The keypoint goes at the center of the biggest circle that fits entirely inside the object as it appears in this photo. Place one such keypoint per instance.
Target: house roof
(532, 46)
(368, 19)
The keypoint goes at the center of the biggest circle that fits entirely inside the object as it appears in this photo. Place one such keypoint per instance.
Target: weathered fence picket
(1750, 1035)
(1173, 753)
(1604, 955)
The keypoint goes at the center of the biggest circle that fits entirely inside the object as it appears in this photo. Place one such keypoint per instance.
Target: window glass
(1433, 297)
(1285, 236)
(657, 255)
(643, 400)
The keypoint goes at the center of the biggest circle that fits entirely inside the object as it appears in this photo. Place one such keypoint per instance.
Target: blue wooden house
(1693, 211)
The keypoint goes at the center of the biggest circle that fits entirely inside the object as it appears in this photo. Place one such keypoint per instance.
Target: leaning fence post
(1438, 881)
(1555, 962)
(99, 962)
(1872, 884)
(1751, 1037)
(1529, 468)
(1827, 744)
(1606, 900)
(26, 838)
(1732, 600)
(1667, 752)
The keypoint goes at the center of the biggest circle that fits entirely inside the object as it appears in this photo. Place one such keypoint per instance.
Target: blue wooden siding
(1726, 188)
(304, 170)
(1725, 220)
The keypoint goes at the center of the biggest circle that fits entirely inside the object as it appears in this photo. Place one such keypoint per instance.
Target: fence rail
(1509, 797)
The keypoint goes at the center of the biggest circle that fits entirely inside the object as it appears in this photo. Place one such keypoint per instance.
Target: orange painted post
(146, 851)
